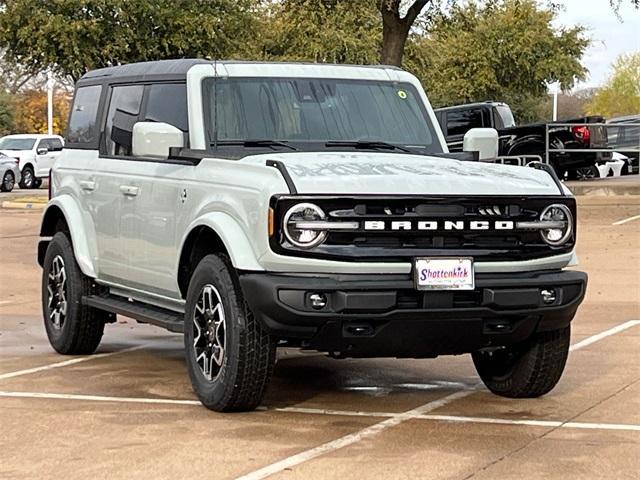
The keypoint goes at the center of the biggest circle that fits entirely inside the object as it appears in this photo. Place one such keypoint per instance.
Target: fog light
(548, 295)
(318, 300)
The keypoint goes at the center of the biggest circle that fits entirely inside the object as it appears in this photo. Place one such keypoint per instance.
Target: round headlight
(561, 215)
(303, 238)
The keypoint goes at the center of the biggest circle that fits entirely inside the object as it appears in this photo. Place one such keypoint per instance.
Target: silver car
(9, 173)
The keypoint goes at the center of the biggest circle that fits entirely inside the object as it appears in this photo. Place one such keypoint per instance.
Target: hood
(394, 173)
(16, 153)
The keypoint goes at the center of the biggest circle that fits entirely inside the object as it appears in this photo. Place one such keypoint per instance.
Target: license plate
(444, 273)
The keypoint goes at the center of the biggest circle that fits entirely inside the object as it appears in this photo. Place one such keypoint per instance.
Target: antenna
(215, 105)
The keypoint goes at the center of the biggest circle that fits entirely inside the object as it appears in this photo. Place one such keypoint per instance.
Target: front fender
(233, 237)
(83, 242)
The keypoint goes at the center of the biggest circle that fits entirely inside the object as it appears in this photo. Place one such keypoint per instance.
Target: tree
(30, 111)
(504, 50)
(621, 93)
(6, 113)
(335, 31)
(396, 27)
(73, 36)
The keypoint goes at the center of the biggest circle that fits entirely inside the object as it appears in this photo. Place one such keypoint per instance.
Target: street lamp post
(49, 103)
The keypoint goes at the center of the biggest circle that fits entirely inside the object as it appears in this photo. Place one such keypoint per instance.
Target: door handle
(129, 190)
(87, 185)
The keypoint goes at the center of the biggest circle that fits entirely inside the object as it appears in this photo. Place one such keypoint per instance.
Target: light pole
(50, 103)
(556, 90)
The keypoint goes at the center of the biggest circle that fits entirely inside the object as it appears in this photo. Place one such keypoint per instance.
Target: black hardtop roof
(177, 68)
(174, 69)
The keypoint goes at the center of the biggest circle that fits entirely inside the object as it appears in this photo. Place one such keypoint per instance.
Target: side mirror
(154, 139)
(482, 140)
(42, 151)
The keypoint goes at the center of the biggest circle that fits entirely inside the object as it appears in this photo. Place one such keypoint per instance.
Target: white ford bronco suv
(257, 205)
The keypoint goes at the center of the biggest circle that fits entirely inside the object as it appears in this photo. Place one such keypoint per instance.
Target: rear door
(117, 186)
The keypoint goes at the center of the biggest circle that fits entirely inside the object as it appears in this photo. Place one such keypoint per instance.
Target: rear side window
(124, 109)
(167, 103)
(84, 114)
(461, 121)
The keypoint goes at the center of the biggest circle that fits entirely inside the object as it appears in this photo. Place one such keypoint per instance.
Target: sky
(610, 35)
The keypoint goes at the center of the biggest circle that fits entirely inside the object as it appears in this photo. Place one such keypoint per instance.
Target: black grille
(401, 245)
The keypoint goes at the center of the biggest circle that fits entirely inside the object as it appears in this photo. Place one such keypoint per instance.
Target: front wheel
(527, 370)
(28, 177)
(229, 354)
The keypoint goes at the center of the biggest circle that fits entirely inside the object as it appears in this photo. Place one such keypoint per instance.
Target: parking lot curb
(23, 205)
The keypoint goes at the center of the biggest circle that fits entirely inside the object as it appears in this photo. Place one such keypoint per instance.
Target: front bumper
(384, 315)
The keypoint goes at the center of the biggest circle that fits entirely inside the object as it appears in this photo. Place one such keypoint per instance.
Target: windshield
(507, 117)
(8, 143)
(305, 112)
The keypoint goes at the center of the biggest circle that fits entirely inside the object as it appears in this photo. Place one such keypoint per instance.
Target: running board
(143, 313)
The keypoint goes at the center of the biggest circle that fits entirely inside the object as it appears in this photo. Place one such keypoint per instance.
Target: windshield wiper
(373, 144)
(257, 142)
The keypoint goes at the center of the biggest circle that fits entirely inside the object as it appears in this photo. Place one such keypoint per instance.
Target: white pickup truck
(257, 205)
(35, 153)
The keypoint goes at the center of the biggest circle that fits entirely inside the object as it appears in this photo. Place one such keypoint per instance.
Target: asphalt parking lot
(129, 412)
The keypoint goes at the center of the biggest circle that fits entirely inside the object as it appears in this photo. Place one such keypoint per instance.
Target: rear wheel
(526, 370)
(8, 181)
(72, 328)
(229, 355)
(28, 177)
(585, 173)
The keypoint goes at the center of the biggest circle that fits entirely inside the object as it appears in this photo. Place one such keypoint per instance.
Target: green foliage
(621, 94)
(501, 50)
(335, 31)
(6, 113)
(73, 36)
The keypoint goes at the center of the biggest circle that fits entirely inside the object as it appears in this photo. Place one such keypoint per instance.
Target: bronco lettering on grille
(439, 225)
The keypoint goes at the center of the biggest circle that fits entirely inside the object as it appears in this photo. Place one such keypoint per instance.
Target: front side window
(84, 115)
(167, 103)
(55, 145)
(124, 108)
(303, 111)
(13, 143)
(461, 121)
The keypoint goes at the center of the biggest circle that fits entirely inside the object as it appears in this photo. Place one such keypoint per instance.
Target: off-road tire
(28, 177)
(82, 329)
(249, 351)
(526, 370)
(8, 181)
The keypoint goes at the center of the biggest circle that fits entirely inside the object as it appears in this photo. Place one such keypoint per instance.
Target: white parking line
(463, 419)
(532, 423)
(601, 335)
(630, 219)
(66, 363)
(351, 438)
(98, 398)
